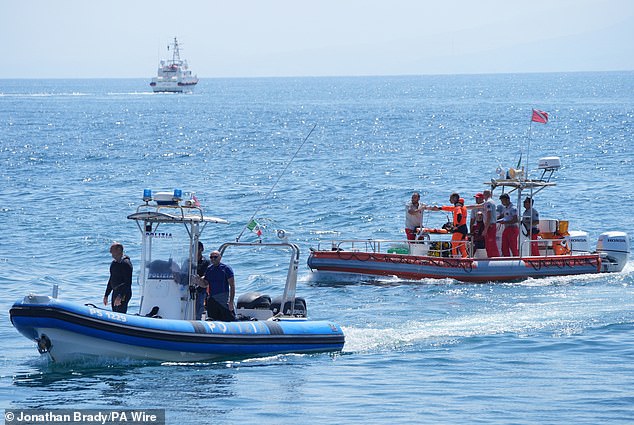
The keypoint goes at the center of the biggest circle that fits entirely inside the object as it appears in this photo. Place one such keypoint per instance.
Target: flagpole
(528, 148)
(275, 184)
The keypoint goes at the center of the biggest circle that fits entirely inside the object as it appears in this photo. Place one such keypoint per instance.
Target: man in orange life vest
(460, 230)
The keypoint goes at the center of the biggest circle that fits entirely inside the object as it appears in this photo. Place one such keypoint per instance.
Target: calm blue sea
(75, 156)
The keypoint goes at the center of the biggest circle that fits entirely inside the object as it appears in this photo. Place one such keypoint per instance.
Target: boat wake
(133, 93)
(45, 94)
(561, 315)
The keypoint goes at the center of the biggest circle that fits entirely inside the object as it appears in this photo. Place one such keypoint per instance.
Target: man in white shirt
(413, 216)
(490, 227)
(511, 232)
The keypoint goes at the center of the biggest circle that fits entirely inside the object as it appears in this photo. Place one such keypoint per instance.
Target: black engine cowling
(300, 309)
(254, 300)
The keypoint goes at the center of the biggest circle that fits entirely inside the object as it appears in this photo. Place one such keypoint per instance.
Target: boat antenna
(528, 147)
(275, 184)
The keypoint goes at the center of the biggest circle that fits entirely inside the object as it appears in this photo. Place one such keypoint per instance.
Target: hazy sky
(245, 38)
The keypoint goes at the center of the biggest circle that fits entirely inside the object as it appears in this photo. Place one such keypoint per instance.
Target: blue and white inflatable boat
(65, 331)
(164, 329)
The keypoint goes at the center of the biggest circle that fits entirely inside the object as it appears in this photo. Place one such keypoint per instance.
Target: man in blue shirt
(222, 289)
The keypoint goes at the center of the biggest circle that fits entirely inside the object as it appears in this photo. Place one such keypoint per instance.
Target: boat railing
(391, 246)
(440, 247)
(362, 245)
(288, 297)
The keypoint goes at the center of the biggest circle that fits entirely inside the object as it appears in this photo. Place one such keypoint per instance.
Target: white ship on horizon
(173, 74)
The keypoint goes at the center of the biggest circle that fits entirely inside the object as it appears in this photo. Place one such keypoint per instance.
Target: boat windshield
(167, 252)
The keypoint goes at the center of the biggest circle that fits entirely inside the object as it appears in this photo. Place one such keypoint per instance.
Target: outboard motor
(254, 300)
(253, 306)
(299, 310)
(614, 248)
(578, 241)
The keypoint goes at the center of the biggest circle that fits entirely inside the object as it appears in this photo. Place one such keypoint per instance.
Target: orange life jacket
(459, 214)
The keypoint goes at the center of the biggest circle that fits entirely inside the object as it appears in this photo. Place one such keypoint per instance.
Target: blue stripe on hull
(209, 339)
(227, 345)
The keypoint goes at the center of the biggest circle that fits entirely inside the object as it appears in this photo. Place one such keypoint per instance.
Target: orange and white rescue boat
(561, 252)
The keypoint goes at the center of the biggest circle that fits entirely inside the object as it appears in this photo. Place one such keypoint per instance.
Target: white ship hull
(172, 86)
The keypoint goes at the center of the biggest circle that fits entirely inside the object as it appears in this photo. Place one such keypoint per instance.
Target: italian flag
(255, 227)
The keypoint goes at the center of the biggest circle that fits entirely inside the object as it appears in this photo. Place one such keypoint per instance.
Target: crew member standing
(511, 232)
(120, 282)
(222, 289)
(530, 220)
(460, 230)
(201, 290)
(490, 227)
(413, 216)
(478, 207)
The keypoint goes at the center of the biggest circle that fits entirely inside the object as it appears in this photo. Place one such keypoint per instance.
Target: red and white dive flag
(540, 116)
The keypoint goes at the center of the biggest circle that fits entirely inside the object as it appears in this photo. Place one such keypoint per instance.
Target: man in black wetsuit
(120, 282)
(201, 292)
